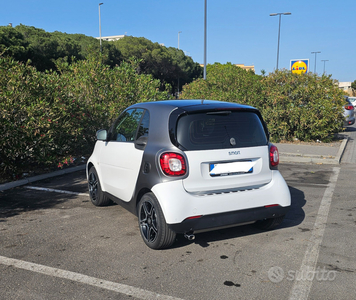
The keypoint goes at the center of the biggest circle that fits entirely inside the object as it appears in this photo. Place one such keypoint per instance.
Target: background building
(111, 38)
(346, 87)
(248, 68)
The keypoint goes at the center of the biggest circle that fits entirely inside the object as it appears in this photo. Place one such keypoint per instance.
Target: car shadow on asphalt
(294, 217)
(350, 129)
(19, 200)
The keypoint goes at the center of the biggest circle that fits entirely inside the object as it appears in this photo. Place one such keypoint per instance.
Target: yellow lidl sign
(299, 66)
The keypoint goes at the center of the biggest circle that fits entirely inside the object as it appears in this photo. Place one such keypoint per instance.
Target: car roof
(191, 105)
(169, 111)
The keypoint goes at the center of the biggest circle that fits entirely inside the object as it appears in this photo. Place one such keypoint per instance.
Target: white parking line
(77, 277)
(54, 190)
(301, 288)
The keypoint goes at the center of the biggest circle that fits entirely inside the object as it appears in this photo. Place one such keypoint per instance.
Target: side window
(125, 127)
(144, 125)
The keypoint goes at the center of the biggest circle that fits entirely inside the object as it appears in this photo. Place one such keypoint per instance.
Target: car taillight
(173, 164)
(349, 107)
(271, 205)
(273, 156)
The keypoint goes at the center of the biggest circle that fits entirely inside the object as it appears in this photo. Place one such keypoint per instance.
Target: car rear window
(220, 130)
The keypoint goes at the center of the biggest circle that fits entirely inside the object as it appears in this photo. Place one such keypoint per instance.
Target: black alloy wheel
(148, 221)
(153, 227)
(97, 196)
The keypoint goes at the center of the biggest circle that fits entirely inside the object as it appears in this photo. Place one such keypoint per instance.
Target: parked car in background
(349, 112)
(184, 166)
(353, 101)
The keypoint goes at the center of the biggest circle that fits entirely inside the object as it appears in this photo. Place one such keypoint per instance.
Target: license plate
(233, 168)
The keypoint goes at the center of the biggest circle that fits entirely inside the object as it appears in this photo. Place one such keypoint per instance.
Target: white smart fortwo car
(184, 166)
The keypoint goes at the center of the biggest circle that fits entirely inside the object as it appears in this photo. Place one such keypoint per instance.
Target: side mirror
(101, 135)
(141, 142)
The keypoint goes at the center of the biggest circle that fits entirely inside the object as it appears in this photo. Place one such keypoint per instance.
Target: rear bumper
(349, 121)
(229, 218)
(236, 207)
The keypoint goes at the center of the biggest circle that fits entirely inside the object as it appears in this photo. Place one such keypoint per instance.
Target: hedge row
(47, 118)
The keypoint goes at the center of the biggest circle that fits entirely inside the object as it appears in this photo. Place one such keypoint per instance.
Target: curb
(341, 150)
(10, 185)
(315, 159)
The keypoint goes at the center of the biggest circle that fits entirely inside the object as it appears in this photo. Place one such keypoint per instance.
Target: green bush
(47, 117)
(225, 83)
(305, 107)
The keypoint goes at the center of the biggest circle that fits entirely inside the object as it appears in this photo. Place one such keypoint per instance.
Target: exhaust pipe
(189, 236)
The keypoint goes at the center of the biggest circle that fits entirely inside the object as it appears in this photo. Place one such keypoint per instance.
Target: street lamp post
(205, 17)
(324, 60)
(101, 49)
(279, 30)
(315, 52)
(179, 32)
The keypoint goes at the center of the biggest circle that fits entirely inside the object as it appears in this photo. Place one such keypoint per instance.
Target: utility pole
(101, 49)
(324, 60)
(279, 31)
(315, 60)
(179, 32)
(205, 21)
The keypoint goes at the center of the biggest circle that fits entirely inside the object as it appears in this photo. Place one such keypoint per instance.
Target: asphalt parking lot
(56, 245)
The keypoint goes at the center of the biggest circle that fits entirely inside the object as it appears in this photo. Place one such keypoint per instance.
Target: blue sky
(240, 32)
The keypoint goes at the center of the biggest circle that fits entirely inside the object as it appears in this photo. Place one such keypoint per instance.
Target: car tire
(96, 194)
(153, 227)
(268, 224)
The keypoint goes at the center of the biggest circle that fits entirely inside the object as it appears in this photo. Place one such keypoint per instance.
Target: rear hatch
(226, 151)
